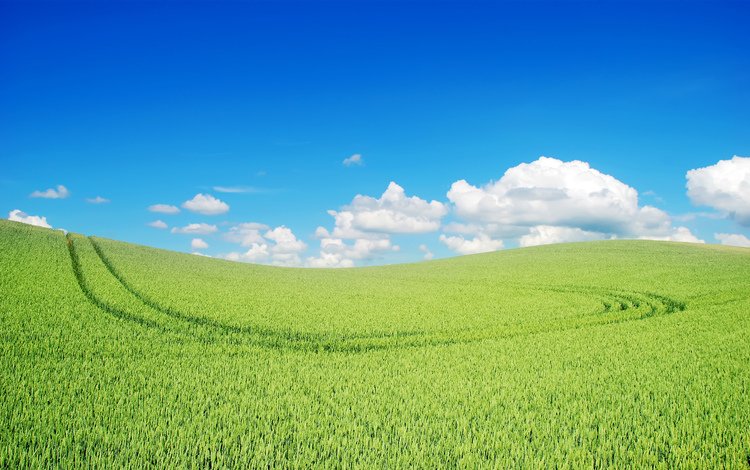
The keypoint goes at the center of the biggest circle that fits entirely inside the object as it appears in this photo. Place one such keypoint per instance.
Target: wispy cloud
(238, 189)
(354, 160)
(97, 200)
(197, 229)
(61, 192)
(164, 209)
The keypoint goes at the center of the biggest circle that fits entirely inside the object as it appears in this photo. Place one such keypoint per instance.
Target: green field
(615, 353)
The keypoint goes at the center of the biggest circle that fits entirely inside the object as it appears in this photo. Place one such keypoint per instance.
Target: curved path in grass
(616, 306)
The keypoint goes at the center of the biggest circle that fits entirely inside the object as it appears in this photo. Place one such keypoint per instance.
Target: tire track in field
(618, 306)
(234, 334)
(252, 330)
(89, 293)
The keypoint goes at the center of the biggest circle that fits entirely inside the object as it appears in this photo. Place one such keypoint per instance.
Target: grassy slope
(509, 357)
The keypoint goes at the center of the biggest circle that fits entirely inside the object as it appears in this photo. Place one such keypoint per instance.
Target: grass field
(616, 353)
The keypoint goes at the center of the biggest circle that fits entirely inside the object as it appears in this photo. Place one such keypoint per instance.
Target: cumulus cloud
(354, 160)
(20, 216)
(546, 234)
(392, 212)
(198, 244)
(724, 186)
(61, 192)
(160, 224)
(481, 243)
(337, 253)
(206, 204)
(164, 209)
(552, 201)
(362, 229)
(733, 239)
(679, 234)
(97, 200)
(246, 234)
(278, 246)
(197, 229)
(555, 193)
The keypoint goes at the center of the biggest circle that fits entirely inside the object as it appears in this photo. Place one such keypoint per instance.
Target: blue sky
(155, 103)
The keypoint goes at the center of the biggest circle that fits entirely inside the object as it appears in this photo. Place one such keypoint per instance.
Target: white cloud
(336, 253)
(160, 224)
(246, 234)
(285, 240)
(206, 204)
(355, 159)
(393, 212)
(724, 186)
(733, 239)
(679, 234)
(237, 189)
(546, 234)
(97, 200)
(278, 246)
(164, 209)
(481, 243)
(369, 222)
(329, 260)
(20, 216)
(198, 244)
(60, 193)
(552, 192)
(197, 229)
(549, 201)
(427, 253)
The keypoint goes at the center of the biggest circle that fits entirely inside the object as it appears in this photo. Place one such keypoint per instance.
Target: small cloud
(60, 193)
(246, 234)
(20, 216)
(206, 204)
(197, 229)
(198, 244)
(164, 209)
(733, 239)
(237, 189)
(160, 224)
(427, 253)
(654, 195)
(97, 200)
(354, 160)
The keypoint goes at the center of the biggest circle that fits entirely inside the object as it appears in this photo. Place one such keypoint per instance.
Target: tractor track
(618, 306)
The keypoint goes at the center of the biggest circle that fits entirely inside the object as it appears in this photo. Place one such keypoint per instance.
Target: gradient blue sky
(145, 103)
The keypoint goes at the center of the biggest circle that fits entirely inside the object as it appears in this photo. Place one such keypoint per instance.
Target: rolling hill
(614, 353)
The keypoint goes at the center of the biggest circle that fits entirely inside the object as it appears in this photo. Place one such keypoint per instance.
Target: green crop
(617, 353)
